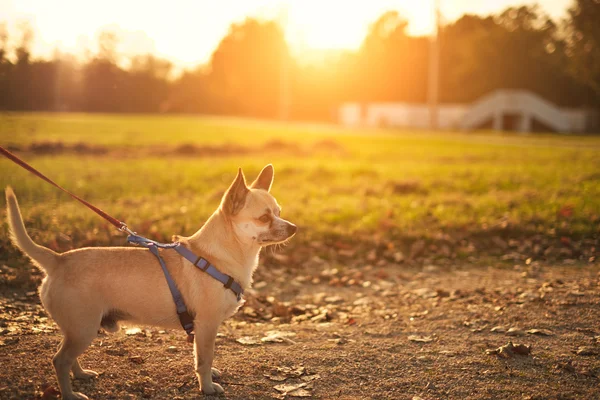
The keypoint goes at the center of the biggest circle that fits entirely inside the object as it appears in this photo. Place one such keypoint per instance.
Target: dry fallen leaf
(172, 349)
(509, 350)
(425, 293)
(542, 332)
(514, 332)
(292, 371)
(333, 299)
(288, 387)
(420, 339)
(281, 310)
(50, 393)
(277, 378)
(250, 312)
(299, 393)
(115, 351)
(347, 253)
(310, 378)
(42, 329)
(248, 340)
(339, 341)
(278, 337)
(448, 353)
(586, 351)
(134, 332)
(283, 373)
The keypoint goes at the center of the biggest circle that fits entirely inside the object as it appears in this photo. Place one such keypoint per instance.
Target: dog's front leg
(204, 348)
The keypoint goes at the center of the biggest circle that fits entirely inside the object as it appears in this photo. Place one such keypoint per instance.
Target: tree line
(253, 73)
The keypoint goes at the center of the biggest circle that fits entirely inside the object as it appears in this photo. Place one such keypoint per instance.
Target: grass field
(165, 175)
(417, 252)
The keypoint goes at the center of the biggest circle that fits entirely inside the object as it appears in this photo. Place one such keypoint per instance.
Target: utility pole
(434, 68)
(284, 80)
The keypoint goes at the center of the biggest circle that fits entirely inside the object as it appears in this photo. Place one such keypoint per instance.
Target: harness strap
(227, 280)
(186, 320)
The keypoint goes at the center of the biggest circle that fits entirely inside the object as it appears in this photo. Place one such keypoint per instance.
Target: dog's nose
(291, 228)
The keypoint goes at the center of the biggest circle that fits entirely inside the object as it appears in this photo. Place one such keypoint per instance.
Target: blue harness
(186, 320)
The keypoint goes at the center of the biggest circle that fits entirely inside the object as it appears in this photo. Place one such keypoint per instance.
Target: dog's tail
(43, 257)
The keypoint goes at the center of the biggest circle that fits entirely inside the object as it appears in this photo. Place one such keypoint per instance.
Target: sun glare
(188, 31)
(323, 27)
(343, 25)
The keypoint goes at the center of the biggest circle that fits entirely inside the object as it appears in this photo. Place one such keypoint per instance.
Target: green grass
(348, 184)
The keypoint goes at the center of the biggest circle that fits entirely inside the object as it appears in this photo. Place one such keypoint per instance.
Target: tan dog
(89, 288)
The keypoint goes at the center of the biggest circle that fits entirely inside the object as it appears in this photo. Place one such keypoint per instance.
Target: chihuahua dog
(89, 288)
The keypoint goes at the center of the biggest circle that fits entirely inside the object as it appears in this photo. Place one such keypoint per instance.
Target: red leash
(118, 224)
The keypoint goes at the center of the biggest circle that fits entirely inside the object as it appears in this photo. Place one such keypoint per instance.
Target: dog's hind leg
(80, 373)
(66, 358)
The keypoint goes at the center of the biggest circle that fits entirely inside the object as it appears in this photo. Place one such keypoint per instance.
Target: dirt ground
(390, 332)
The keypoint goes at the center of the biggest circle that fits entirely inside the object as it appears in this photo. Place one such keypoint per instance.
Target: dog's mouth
(271, 241)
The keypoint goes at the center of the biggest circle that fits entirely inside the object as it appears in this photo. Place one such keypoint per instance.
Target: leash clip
(124, 228)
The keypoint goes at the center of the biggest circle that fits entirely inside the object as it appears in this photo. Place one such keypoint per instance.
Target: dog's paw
(216, 374)
(85, 374)
(76, 396)
(213, 388)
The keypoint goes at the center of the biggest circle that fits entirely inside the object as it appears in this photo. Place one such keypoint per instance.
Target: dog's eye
(265, 218)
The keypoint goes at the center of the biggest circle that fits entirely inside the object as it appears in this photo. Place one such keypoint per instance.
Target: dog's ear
(235, 197)
(265, 179)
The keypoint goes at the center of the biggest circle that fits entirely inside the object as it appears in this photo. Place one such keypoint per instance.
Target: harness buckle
(206, 263)
(229, 282)
(186, 320)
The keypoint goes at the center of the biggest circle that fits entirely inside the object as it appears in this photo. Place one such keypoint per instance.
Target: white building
(501, 109)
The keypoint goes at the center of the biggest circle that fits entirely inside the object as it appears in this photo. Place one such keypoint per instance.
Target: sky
(187, 31)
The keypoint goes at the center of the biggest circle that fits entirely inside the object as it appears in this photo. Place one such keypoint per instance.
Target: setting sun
(340, 25)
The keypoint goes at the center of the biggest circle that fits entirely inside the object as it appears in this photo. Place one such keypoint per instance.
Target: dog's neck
(217, 242)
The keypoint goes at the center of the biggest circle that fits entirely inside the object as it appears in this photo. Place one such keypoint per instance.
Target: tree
(5, 69)
(583, 42)
(191, 92)
(518, 49)
(104, 83)
(147, 84)
(392, 66)
(467, 57)
(20, 87)
(245, 69)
